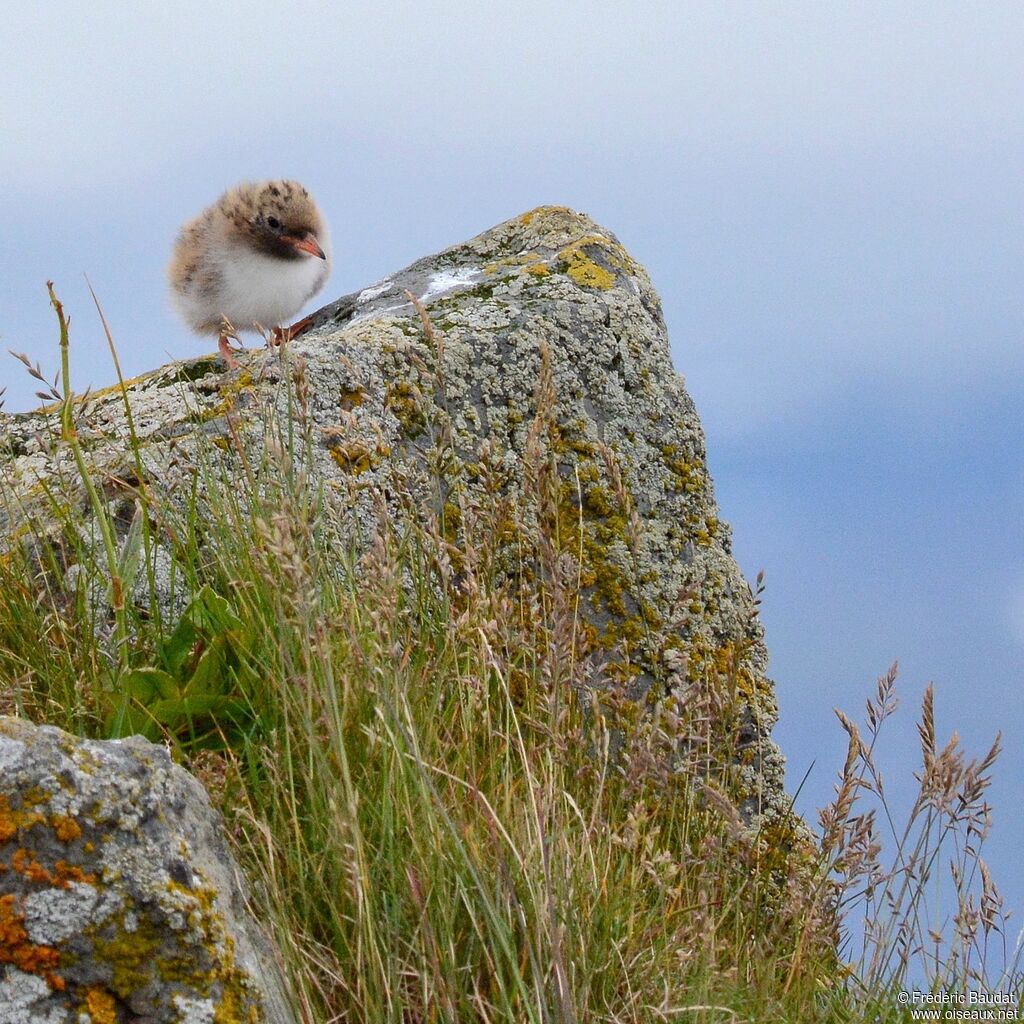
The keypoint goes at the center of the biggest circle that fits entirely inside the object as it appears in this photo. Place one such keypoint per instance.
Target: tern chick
(250, 261)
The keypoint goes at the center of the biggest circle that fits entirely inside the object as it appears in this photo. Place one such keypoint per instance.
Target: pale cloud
(102, 82)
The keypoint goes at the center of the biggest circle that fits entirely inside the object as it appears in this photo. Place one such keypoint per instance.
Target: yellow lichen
(546, 211)
(130, 956)
(101, 1006)
(406, 404)
(687, 470)
(584, 271)
(351, 398)
(229, 394)
(592, 534)
(101, 393)
(352, 458)
(527, 262)
(34, 796)
(582, 267)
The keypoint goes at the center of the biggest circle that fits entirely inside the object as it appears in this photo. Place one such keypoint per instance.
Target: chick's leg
(225, 351)
(280, 336)
(297, 328)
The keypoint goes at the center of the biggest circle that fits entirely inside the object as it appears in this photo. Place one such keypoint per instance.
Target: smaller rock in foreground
(119, 899)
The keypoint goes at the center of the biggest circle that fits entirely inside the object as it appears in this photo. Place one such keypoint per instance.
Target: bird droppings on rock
(373, 291)
(445, 281)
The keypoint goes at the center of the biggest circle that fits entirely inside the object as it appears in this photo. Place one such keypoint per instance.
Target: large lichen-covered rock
(545, 346)
(119, 900)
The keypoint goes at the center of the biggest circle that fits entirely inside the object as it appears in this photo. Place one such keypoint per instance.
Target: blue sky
(827, 196)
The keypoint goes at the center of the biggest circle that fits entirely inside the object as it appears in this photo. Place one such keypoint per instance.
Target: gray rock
(385, 401)
(119, 899)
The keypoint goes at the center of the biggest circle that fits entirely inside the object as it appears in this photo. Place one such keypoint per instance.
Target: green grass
(448, 814)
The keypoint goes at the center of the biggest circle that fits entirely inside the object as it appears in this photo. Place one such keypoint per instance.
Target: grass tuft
(448, 810)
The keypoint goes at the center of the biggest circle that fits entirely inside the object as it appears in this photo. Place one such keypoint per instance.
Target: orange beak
(307, 243)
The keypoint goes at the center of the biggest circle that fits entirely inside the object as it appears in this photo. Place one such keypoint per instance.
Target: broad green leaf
(146, 684)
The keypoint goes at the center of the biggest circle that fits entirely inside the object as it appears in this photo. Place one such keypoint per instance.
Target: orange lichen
(25, 863)
(11, 820)
(66, 829)
(8, 829)
(12, 930)
(16, 949)
(63, 873)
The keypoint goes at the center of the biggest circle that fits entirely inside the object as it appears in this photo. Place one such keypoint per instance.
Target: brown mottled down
(251, 260)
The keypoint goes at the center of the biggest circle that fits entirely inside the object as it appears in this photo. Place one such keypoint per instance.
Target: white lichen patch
(24, 998)
(193, 1011)
(53, 915)
(378, 314)
(10, 754)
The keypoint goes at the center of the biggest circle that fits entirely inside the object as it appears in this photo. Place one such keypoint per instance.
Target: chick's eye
(273, 222)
